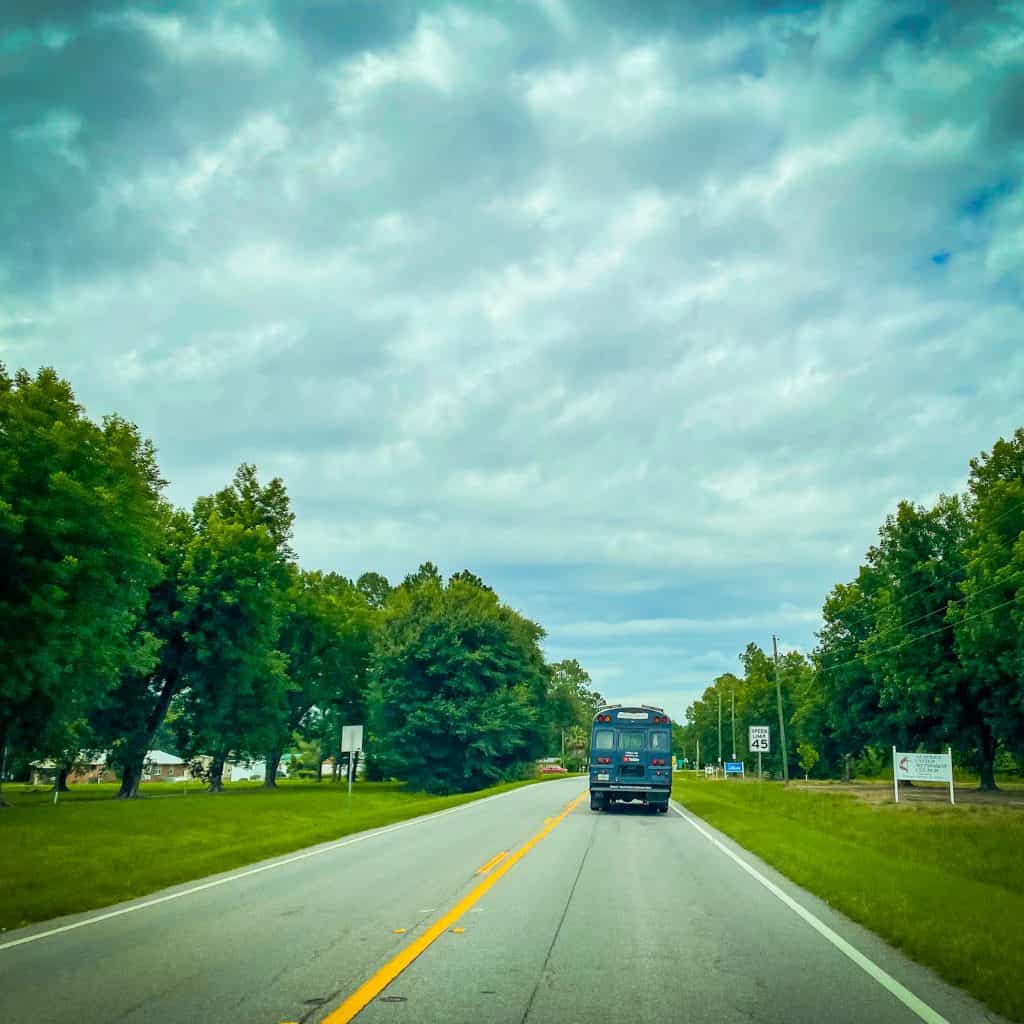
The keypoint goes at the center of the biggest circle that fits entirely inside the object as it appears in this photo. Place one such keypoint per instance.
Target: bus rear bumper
(630, 791)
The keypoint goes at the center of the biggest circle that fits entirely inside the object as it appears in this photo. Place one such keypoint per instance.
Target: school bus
(631, 757)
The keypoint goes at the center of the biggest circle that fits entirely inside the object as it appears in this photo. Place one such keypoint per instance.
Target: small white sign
(760, 739)
(639, 716)
(351, 738)
(923, 767)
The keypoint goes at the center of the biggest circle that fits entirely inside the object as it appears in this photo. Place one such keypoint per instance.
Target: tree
(926, 696)
(326, 639)
(458, 686)
(849, 691)
(470, 577)
(78, 524)
(809, 757)
(375, 588)
(246, 502)
(571, 703)
(128, 720)
(236, 680)
(427, 573)
(989, 622)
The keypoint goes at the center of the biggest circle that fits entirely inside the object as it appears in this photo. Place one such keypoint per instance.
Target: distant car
(553, 769)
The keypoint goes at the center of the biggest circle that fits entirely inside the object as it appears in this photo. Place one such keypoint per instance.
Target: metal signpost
(352, 743)
(922, 768)
(760, 743)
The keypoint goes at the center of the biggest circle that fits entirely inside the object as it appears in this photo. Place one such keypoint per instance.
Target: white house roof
(162, 757)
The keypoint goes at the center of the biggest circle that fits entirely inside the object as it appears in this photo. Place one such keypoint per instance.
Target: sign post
(922, 768)
(352, 742)
(760, 742)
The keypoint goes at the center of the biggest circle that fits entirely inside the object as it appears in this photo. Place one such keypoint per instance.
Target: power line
(923, 636)
(951, 601)
(939, 579)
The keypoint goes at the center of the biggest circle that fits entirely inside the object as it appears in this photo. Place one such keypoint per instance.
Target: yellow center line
(490, 864)
(373, 986)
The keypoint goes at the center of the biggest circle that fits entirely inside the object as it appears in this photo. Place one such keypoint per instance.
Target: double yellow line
(373, 987)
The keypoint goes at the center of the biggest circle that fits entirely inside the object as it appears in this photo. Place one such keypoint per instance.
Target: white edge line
(279, 863)
(887, 981)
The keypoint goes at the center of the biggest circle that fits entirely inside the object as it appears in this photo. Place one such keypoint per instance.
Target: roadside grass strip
(943, 884)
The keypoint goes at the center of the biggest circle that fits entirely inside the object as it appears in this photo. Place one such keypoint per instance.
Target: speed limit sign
(760, 743)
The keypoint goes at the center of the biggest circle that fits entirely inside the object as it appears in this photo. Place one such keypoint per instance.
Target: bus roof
(630, 707)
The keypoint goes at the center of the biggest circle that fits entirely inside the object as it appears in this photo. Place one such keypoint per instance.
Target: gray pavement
(621, 916)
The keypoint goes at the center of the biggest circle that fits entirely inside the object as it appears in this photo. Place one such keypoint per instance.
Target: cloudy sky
(645, 314)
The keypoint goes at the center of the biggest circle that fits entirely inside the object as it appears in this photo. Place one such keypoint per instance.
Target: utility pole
(778, 698)
(719, 726)
(734, 723)
(698, 753)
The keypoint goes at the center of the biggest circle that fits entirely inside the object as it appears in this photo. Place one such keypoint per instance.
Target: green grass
(90, 850)
(944, 884)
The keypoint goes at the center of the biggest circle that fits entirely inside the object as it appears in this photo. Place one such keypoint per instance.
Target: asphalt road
(613, 917)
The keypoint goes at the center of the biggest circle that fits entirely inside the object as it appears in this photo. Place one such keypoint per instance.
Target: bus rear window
(660, 740)
(631, 741)
(604, 739)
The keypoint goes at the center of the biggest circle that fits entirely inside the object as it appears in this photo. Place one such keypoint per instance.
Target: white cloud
(219, 38)
(661, 626)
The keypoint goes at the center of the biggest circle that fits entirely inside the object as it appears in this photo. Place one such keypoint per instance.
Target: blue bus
(631, 756)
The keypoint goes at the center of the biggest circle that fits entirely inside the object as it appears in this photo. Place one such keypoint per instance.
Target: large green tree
(927, 696)
(989, 622)
(326, 637)
(79, 525)
(234, 604)
(127, 720)
(459, 685)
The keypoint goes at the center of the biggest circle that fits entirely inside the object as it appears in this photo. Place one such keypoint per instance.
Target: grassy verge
(944, 884)
(90, 850)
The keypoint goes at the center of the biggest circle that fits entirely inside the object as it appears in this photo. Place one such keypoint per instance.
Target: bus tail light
(658, 760)
(604, 760)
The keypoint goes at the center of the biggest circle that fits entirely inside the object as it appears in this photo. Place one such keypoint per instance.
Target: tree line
(124, 620)
(923, 649)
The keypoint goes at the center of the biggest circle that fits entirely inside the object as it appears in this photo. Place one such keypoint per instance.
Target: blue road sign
(733, 767)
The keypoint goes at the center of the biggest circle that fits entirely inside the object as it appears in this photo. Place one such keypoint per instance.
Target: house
(327, 767)
(161, 766)
(245, 771)
(253, 770)
(89, 768)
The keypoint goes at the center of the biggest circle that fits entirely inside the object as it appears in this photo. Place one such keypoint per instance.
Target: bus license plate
(602, 776)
